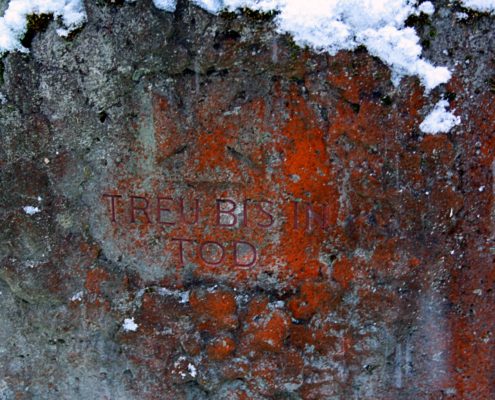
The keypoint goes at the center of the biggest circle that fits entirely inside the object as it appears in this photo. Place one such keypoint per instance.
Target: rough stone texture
(392, 299)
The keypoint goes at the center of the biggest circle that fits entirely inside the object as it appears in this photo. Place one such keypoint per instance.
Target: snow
(13, 24)
(77, 297)
(30, 210)
(214, 6)
(129, 325)
(480, 5)
(192, 370)
(439, 119)
(334, 25)
(324, 25)
(427, 8)
(165, 5)
(182, 296)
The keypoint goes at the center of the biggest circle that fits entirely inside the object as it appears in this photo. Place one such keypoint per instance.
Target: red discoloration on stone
(471, 288)
(265, 328)
(215, 310)
(221, 348)
(372, 273)
(362, 228)
(94, 278)
(343, 272)
(313, 297)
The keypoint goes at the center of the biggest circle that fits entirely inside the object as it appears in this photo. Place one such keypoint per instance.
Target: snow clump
(439, 119)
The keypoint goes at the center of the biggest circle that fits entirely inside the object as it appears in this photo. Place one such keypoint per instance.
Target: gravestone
(193, 206)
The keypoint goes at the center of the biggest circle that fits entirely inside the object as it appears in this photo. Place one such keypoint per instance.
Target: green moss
(355, 107)
(35, 23)
(110, 2)
(2, 70)
(450, 96)
(386, 100)
(297, 79)
(417, 20)
(256, 16)
(228, 15)
(294, 49)
(491, 84)
(73, 33)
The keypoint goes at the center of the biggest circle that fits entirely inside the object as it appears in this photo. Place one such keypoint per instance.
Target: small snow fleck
(46, 160)
(77, 297)
(3, 99)
(461, 16)
(39, 198)
(184, 297)
(439, 119)
(478, 292)
(30, 210)
(192, 370)
(212, 289)
(129, 325)
(481, 189)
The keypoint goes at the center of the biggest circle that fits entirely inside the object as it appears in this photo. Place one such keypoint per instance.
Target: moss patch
(35, 23)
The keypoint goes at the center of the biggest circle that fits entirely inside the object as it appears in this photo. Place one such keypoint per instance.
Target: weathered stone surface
(358, 262)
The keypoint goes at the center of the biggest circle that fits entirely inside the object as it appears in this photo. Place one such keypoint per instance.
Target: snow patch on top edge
(325, 25)
(334, 25)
